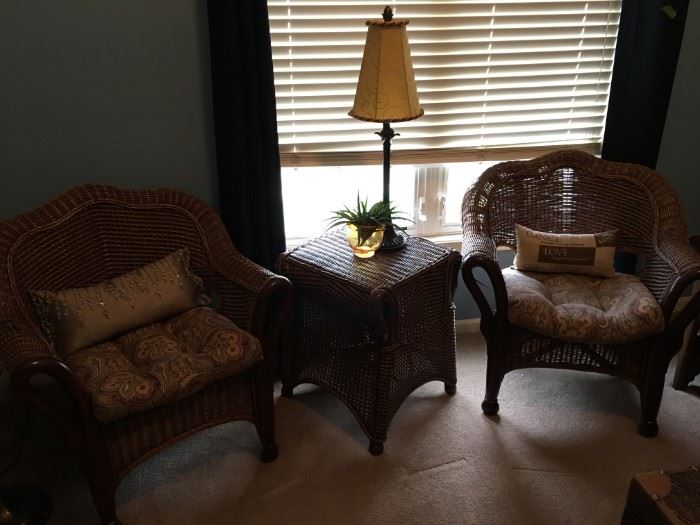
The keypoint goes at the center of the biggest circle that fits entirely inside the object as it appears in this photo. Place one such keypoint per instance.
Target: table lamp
(386, 92)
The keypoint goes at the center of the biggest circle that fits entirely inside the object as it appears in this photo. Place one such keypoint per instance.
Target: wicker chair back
(573, 192)
(95, 233)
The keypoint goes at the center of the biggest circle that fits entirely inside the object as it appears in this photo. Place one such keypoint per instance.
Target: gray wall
(105, 92)
(680, 146)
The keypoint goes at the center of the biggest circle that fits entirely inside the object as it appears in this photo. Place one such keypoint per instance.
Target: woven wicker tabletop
(330, 253)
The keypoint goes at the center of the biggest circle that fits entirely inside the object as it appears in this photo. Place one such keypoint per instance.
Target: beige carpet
(561, 452)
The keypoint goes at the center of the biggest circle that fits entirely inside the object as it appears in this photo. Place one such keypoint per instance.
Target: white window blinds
(493, 77)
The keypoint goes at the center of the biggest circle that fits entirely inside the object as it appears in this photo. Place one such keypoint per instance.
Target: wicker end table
(664, 497)
(370, 330)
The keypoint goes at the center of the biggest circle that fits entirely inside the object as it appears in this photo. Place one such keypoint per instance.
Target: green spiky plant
(379, 213)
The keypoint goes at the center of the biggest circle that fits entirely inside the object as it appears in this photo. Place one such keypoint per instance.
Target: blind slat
(440, 62)
(346, 78)
(442, 110)
(462, 120)
(428, 87)
(450, 99)
(445, 131)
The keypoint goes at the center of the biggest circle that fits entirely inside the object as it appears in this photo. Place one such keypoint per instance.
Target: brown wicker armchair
(573, 192)
(688, 365)
(93, 233)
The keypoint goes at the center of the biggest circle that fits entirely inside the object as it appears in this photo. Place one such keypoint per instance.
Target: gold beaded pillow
(587, 253)
(78, 317)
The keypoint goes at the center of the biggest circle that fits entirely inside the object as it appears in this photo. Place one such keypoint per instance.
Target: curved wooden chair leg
(688, 363)
(265, 424)
(494, 378)
(269, 453)
(376, 448)
(653, 389)
(287, 391)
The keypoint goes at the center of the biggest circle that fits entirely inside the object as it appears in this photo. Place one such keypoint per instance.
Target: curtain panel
(245, 124)
(648, 45)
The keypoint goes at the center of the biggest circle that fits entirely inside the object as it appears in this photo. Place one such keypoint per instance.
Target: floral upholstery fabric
(162, 363)
(582, 308)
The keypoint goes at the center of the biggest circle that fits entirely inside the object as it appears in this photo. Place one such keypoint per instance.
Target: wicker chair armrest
(246, 287)
(687, 257)
(489, 316)
(248, 277)
(271, 315)
(478, 245)
(684, 259)
(256, 299)
(680, 321)
(679, 254)
(61, 373)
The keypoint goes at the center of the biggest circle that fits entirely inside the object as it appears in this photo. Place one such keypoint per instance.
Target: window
(498, 80)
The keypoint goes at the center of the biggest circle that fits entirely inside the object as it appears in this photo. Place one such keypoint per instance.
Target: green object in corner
(670, 11)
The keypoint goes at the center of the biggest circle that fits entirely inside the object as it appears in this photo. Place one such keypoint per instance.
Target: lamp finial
(388, 14)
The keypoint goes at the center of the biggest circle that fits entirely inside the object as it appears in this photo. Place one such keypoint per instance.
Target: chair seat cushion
(581, 308)
(163, 362)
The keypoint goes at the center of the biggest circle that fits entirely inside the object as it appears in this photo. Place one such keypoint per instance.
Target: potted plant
(365, 225)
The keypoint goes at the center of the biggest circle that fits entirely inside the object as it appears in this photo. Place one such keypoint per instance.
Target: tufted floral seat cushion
(163, 362)
(582, 308)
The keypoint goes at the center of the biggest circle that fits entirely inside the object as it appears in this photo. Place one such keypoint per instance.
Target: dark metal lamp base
(393, 239)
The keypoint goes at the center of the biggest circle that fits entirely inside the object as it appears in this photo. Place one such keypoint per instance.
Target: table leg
(287, 391)
(376, 447)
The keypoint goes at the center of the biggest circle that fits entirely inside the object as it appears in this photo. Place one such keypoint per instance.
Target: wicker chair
(90, 234)
(688, 365)
(573, 192)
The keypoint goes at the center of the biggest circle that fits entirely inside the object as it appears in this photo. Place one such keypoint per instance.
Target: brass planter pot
(365, 239)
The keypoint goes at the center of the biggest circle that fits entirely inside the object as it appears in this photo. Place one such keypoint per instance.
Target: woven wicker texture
(93, 233)
(622, 360)
(688, 363)
(574, 192)
(664, 497)
(684, 498)
(371, 330)
(147, 432)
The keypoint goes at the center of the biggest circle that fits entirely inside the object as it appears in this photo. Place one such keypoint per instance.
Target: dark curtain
(245, 123)
(648, 45)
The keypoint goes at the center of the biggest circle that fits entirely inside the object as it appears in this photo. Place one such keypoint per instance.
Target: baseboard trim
(467, 326)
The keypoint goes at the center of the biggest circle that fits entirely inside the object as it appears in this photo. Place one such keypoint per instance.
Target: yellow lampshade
(386, 89)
